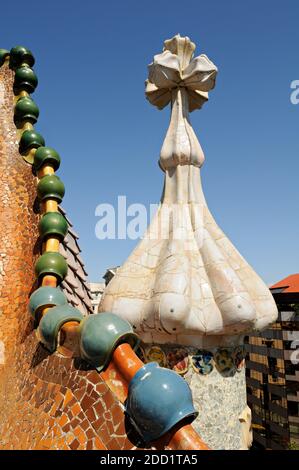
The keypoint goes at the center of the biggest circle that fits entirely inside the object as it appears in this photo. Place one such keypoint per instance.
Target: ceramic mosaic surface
(58, 405)
(51, 401)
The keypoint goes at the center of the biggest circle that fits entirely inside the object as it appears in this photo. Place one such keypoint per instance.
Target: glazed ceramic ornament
(185, 282)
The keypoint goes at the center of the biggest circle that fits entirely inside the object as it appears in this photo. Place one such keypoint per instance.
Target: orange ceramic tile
(63, 420)
(98, 444)
(76, 409)
(68, 397)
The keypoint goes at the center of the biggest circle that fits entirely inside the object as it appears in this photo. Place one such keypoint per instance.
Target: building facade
(272, 373)
(96, 292)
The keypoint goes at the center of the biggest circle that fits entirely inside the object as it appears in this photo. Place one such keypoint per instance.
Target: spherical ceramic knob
(45, 297)
(53, 224)
(50, 187)
(46, 156)
(158, 399)
(21, 55)
(51, 263)
(26, 111)
(25, 80)
(3, 54)
(100, 334)
(52, 322)
(29, 140)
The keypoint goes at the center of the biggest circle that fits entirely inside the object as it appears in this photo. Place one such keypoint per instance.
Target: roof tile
(288, 284)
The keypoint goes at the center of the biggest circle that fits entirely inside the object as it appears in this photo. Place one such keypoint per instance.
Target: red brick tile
(75, 444)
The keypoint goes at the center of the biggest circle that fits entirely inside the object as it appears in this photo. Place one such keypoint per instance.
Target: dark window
(289, 368)
(293, 408)
(292, 388)
(275, 397)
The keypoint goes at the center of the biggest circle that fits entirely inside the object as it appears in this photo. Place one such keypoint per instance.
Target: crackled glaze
(185, 283)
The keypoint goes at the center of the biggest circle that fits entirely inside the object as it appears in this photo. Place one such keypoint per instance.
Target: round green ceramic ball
(26, 111)
(51, 263)
(21, 55)
(25, 80)
(50, 187)
(30, 139)
(53, 224)
(46, 156)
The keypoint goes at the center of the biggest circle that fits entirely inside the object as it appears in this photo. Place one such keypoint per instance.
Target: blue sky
(91, 61)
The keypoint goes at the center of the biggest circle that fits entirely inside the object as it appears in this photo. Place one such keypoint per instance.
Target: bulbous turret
(188, 285)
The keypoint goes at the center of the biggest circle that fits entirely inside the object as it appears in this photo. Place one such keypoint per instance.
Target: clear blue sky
(91, 61)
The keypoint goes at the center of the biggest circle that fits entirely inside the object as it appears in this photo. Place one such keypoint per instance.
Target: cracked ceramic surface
(175, 68)
(185, 282)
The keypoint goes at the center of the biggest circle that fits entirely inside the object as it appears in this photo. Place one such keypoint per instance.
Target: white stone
(185, 282)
